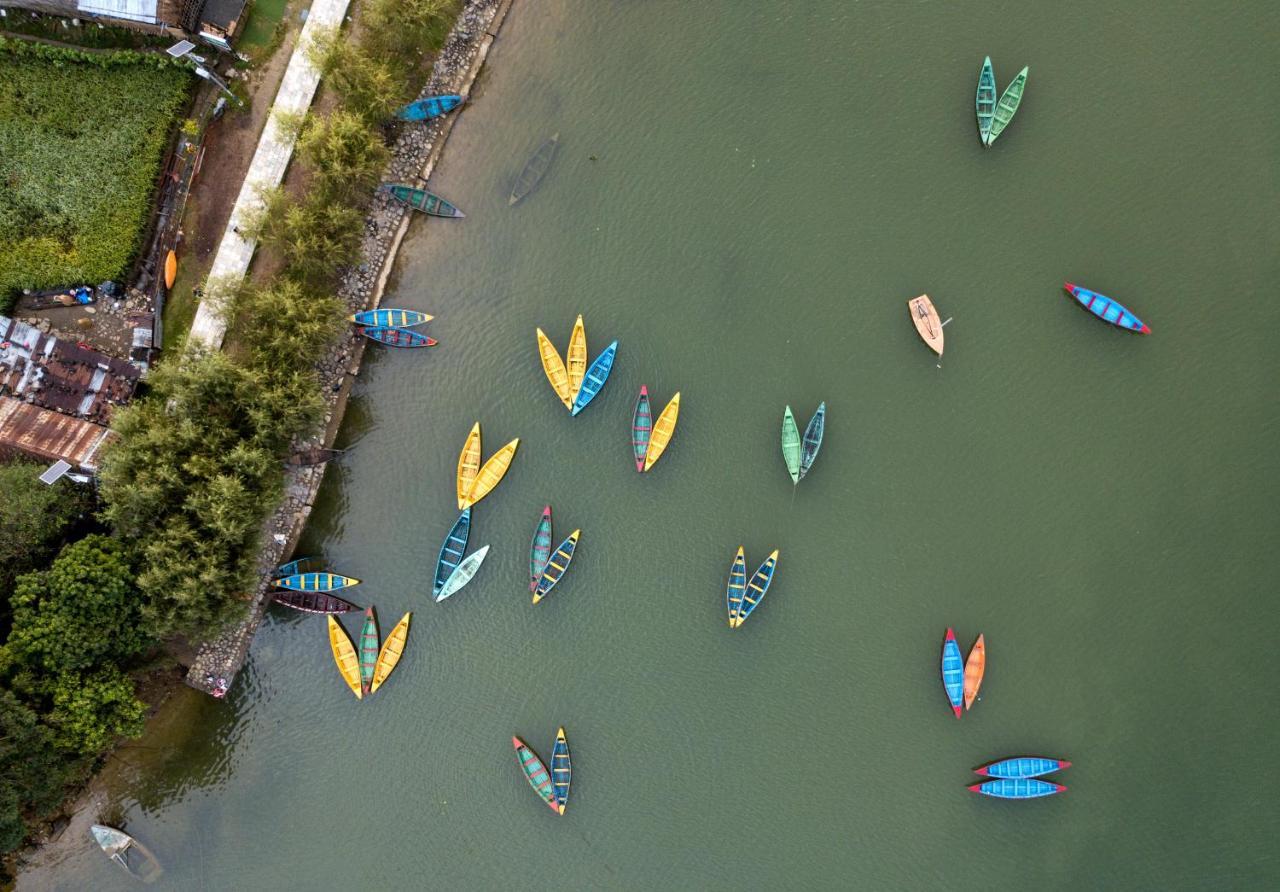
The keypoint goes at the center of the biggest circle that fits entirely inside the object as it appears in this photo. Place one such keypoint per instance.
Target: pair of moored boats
(649, 439)
(961, 679)
(574, 382)
(547, 567)
(995, 114)
(799, 452)
(393, 327)
(551, 786)
(1020, 778)
(368, 669)
(742, 595)
(310, 590)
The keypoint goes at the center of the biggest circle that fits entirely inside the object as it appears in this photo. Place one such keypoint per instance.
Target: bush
(291, 325)
(370, 87)
(91, 711)
(405, 29)
(32, 774)
(315, 237)
(347, 157)
(34, 518)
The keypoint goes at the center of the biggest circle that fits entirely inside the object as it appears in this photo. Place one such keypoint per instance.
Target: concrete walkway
(266, 171)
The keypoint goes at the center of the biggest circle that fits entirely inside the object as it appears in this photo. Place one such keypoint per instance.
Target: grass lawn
(81, 144)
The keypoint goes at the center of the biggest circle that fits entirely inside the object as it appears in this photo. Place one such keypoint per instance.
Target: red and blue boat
(1022, 766)
(540, 550)
(641, 428)
(1106, 309)
(397, 337)
(953, 672)
(536, 773)
(1017, 788)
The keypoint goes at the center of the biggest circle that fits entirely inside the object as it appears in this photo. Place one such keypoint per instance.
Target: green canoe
(986, 99)
(1008, 105)
(422, 200)
(368, 649)
(791, 445)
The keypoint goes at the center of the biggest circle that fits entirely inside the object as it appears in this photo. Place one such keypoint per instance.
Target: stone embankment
(414, 155)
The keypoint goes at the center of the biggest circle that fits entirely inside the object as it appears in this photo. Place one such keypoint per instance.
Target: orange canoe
(927, 322)
(170, 269)
(974, 667)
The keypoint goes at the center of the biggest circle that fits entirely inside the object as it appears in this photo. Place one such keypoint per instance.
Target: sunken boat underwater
(127, 852)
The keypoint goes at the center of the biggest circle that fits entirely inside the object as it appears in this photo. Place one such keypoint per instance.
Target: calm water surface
(746, 195)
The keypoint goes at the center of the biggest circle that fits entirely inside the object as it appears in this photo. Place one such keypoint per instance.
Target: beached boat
(1019, 788)
(452, 551)
(986, 99)
(389, 655)
(595, 378)
(534, 169)
(737, 586)
(575, 358)
(540, 549)
(791, 445)
(556, 565)
(663, 429)
(1106, 309)
(974, 667)
(315, 582)
(468, 465)
(422, 200)
(535, 773)
(313, 602)
(641, 428)
(561, 771)
(170, 269)
(492, 472)
(463, 573)
(390, 317)
(953, 672)
(397, 337)
(369, 647)
(812, 440)
(927, 322)
(126, 851)
(757, 587)
(1022, 766)
(344, 654)
(553, 365)
(1007, 107)
(429, 107)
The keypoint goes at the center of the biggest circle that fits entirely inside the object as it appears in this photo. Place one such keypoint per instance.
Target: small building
(213, 20)
(50, 436)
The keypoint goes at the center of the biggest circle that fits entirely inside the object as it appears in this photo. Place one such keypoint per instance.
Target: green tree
(315, 237)
(290, 324)
(348, 157)
(32, 774)
(91, 711)
(34, 518)
(407, 28)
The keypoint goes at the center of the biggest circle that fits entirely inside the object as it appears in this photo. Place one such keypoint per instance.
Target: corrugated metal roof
(131, 10)
(50, 435)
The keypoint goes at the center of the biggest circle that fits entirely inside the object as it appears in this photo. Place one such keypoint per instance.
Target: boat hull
(390, 317)
(492, 472)
(757, 587)
(663, 429)
(397, 337)
(641, 428)
(593, 382)
(928, 325)
(468, 465)
(391, 652)
(737, 586)
(811, 442)
(1020, 788)
(315, 582)
(975, 666)
(540, 549)
(464, 573)
(429, 107)
(421, 200)
(557, 564)
(344, 654)
(791, 445)
(561, 771)
(535, 773)
(1107, 309)
(534, 169)
(452, 551)
(1007, 106)
(553, 367)
(1022, 767)
(575, 358)
(369, 647)
(985, 101)
(314, 602)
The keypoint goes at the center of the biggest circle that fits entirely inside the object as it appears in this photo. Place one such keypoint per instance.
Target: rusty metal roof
(50, 435)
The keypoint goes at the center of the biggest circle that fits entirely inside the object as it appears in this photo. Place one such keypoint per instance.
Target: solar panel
(55, 471)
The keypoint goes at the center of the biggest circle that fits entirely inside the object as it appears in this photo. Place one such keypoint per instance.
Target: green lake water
(745, 197)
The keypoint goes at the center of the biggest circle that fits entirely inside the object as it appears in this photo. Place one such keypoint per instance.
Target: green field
(81, 141)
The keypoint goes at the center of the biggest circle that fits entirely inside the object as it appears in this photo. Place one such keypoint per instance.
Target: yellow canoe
(576, 358)
(344, 654)
(663, 428)
(170, 269)
(553, 365)
(390, 653)
(491, 474)
(468, 465)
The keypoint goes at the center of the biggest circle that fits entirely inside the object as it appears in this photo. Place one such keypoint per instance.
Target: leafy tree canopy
(91, 711)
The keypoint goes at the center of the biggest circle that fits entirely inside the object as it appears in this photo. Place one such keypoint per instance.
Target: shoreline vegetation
(169, 551)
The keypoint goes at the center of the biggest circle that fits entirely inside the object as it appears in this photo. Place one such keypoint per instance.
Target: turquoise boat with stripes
(985, 100)
(953, 672)
(429, 107)
(535, 773)
(561, 771)
(1017, 788)
(540, 549)
(389, 317)
(1022, 766)
(757, 588)
(1106, 309)
(597, 375)
(557, 564)
(812, 440)
(452, 551)
(315, 582)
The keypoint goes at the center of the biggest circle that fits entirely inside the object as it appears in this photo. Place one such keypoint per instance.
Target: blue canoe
(812, 440)
(594, 380)
(557, 564)
(297, 565)
(390, 317)
(757, 587)
(315, 582)
(737, 586)
(431, 107)
(561, 771)
(1017, 788)
(953, 672)
(1022, 766)
(1106, 309)
(452, 551)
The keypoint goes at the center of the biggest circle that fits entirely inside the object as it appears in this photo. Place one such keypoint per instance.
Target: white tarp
(133, 10)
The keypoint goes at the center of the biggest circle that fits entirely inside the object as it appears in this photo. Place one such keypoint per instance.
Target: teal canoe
(369, 645)
(986, 100)
(422, 200)
(535, 773)
(561, 771)
(812, 440)
(791, 445)
(641, 428)
(597, 375)
(540, 549)
(451, 552)
(1007, 107)
(757, 587)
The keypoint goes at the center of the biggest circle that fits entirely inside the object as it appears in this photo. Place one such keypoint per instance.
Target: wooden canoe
(974, 667)
(561, 771)
(468, 465)
(492, 472)
(535, 773)
(429, 107)
(791, 445)
(463, 573)
(422, 200)
(390, 317)
(1106, 309)
(553, 365)
(540, 549)
(1007, 107)
(986, 99)
(757, 587)
(313, 602)
(1019, 788)
(452, 551)
(309, 458)
(392, 650)
(315, 582)
(369, 647)
(595, 378)
(927, 322)
(344, 654)
(170, 269)
(663, 429)
(1022, 766)
(299, 565)
(534, 169)
(575, 358)
(556, 565)
(737, 586)
(812, 440)
(397, 337)
(953, 672)
(641, 428)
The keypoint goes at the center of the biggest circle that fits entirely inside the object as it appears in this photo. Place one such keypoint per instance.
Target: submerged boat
(540, 549)
(1106, 309)
(986, 99)
(429, 107)
(534, 169)
(492, 472)
(468, 465)
(463, 573)
(315, 582)
(344, 654)
(535, 773)
(389, 655)
(1020, 788)
(126, 851)
(390, 317)
(575, 358)
(309, 458)
(595, 378)
(422, 200)
(953, 672)
(561, 771)
(314, 602)
(452, 551)
(641, 428)
(1007, 107)
(397, 337)
(663, 429)
(791, 445)
(556, 373)
(927, 322)
(974, 667)
(556, 565)
(369, 647)
(757, 587)
(1022, 766)
(737, 586)
(812, 440)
